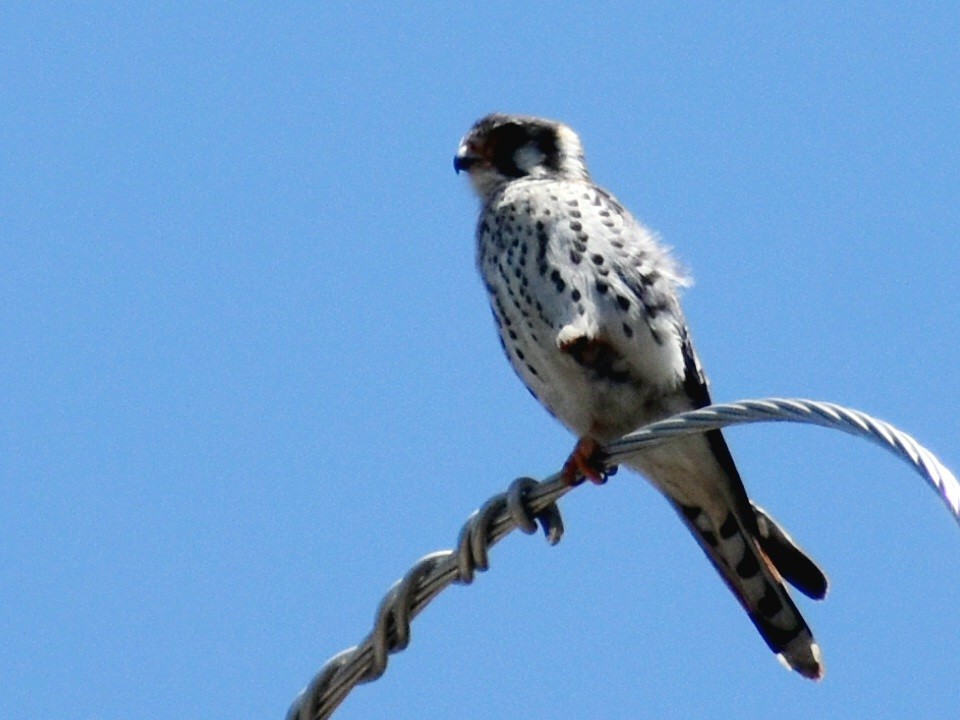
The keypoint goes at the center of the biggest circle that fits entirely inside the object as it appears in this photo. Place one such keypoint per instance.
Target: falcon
(586, 303)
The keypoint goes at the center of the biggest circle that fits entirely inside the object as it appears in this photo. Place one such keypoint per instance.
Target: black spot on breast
(575, 257)
(542, 241)
(575, 295)
(571, 203)
(533, 371)
(558, 281)
(575, 213)
(576, 226)
(627, 330)
(623, 302)
(579, 246)
(500, 310)
(602, 287)
(597, 259)
(617, 207)
(520, 354)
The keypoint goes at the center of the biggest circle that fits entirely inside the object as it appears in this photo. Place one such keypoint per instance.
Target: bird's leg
(586, 462)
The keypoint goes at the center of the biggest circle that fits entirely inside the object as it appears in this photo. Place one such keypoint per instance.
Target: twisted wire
(824, 414)
(527, 503)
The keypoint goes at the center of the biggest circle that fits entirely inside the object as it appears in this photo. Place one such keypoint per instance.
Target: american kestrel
(586, 303)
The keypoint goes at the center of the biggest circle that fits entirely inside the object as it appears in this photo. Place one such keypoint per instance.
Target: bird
(586, 303)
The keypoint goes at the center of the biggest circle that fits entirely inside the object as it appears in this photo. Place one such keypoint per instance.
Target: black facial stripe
(504, 141)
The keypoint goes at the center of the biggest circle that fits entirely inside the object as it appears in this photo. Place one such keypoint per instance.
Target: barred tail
(737, 552)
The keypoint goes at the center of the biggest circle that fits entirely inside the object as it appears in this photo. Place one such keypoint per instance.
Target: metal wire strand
(528, 502)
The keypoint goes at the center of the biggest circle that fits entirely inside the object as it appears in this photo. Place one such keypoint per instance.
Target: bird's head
(502, 148)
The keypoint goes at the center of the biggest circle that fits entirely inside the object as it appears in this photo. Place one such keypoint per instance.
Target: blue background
(248, 375)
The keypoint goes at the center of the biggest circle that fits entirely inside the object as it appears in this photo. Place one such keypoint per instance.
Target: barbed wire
(528, 502)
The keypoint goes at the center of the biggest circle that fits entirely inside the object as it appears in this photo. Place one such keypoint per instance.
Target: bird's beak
(464, 159)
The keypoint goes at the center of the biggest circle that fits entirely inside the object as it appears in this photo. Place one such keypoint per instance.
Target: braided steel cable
(528, 502)
(824, 414)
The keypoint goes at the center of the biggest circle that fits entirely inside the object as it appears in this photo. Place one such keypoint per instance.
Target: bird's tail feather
(793, 564)
(744, 559)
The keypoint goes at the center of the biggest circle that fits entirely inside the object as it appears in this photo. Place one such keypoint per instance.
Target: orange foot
(585, 462)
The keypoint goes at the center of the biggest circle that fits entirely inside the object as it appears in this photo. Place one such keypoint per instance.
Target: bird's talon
(586, 463)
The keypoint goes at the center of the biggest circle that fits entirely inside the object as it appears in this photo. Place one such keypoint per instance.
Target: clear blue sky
(248, 375)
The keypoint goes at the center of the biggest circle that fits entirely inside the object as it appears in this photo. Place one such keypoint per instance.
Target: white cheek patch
(528, 158)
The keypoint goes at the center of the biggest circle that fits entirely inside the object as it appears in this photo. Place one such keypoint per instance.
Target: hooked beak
(464, 159)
